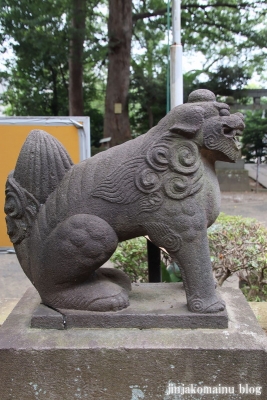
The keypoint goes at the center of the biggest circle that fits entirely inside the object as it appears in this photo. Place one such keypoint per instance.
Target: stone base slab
(260, 310)
(152, 305)
(233, 180)
(133, 364)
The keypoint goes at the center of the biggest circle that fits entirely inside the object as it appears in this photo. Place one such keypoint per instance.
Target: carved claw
(111, 303)
(107, 290)
(199, 306)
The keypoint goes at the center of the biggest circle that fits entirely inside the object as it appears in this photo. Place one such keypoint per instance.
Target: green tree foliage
(222, 81)
(231, 34)
(223, 28)
(37, 76)
(254, 137)
(149, 68)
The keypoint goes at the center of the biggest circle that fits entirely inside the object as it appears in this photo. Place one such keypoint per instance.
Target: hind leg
(70, 276)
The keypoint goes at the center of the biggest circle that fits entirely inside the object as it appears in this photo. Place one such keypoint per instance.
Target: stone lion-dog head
(209, 124)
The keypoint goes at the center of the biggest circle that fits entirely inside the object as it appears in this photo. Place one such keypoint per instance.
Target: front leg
(193, 259)
(190, 249)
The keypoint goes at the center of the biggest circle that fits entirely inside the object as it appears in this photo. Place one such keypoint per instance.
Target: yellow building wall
(12, 138)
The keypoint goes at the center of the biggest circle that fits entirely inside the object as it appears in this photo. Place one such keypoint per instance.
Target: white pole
(176, 51)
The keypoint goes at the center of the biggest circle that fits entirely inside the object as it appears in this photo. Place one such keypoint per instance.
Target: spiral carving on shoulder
(158, 157)
(184, 158)
(147, 180)
(177, 187)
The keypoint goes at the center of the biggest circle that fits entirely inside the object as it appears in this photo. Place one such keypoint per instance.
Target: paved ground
(248, 204)
(13, 282)
(262, 171)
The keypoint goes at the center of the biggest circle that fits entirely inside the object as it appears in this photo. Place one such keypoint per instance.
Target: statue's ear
(189, 121)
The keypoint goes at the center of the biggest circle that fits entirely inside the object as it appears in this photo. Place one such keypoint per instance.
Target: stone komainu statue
(66, 220)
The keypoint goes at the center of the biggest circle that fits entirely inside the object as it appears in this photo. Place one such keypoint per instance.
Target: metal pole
(168, 66)
(176, 56)
(154, 267)
(176, 89)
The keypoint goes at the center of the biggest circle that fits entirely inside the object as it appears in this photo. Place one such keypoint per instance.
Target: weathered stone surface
(238, 165)
(131, 364)
(233, 181)
(260, 310)
(46, 318)
(232, 177)
(65, 221)
(152, 305)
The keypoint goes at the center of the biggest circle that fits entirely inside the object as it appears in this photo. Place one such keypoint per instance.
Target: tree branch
(206, 67)
(219, 4)
(144, 15)
(163, 11)
(211, 23)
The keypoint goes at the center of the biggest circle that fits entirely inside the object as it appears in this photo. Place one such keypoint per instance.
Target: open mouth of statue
(233, 133)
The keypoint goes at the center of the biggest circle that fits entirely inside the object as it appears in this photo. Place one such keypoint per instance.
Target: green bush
(131, 257)
(237, 245)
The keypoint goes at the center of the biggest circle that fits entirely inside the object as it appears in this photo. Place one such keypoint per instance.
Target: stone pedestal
(132, 363)
(232, 177)
(152, 305)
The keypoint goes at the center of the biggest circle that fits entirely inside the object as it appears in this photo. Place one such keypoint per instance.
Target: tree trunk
(150, 116)
(76, 57)
(116, 121)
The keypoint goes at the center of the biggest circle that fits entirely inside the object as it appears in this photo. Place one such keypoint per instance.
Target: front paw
(212, 305)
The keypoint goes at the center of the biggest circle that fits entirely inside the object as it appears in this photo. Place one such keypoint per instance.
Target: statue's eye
(224, 112)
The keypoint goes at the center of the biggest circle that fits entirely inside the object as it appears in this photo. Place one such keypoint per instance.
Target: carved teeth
(237, 143)
(232, 132)
(238, 132)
